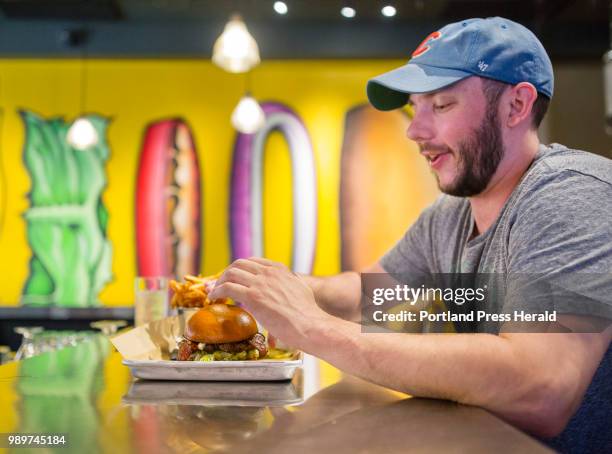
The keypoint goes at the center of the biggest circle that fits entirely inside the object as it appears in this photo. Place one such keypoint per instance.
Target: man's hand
(278, 298)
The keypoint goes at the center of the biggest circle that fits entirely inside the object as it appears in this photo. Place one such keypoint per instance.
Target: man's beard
(478, 157)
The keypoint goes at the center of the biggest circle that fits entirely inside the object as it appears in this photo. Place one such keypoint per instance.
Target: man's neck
(487, 205)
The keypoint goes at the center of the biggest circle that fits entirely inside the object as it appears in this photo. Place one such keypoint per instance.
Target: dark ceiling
(591, 11)
(312, 29)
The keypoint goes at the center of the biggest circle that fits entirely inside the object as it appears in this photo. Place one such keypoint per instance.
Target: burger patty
(187, 347)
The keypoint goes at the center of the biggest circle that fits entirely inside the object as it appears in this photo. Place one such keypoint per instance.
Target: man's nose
(420, 129)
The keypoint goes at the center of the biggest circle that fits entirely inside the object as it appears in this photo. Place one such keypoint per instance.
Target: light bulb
(348, 12)
(388, 11)
(236, 50)
(82, 134)
(280, 7)
(248, 116)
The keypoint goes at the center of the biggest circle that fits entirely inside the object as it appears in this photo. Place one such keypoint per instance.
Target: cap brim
(391, 90)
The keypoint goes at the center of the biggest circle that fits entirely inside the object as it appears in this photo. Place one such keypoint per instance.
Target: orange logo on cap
(423, 47)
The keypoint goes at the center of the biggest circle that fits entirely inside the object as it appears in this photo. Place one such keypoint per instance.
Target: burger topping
(185, 349)
(258, 342)
(188, 350)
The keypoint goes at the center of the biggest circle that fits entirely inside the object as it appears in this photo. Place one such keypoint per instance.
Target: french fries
(193, 292)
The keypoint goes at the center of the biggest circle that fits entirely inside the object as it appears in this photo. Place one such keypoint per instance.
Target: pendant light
(236, 50)
(82, 134)
(248, 117)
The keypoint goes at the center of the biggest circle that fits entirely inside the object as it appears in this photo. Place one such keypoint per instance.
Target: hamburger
(219, 332)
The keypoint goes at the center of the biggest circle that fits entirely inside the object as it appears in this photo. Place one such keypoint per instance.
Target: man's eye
(442, 106)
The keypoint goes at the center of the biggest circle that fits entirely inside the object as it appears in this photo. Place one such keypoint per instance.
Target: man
(479, 89)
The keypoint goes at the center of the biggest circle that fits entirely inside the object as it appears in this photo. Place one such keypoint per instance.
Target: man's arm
(340, 294)
(535, 381)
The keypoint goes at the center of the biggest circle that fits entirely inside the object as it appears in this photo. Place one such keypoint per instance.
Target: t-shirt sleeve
(560, 248)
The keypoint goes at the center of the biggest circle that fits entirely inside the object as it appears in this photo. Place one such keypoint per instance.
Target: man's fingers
(247, 264)
(236, 276)
(265, 262)
(209, 285)
(237, 292)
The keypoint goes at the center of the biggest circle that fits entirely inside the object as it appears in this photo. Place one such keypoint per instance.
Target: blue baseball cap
(494, 47)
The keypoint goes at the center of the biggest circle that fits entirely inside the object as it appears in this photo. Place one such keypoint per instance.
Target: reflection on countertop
(244, 394)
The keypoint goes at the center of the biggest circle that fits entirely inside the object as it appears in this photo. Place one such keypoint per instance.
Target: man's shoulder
(564, 184)
(558, 162)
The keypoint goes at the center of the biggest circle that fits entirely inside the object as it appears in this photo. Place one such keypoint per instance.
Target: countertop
(86, 393)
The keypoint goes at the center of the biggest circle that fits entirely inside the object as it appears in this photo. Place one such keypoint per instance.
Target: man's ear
(521, 98)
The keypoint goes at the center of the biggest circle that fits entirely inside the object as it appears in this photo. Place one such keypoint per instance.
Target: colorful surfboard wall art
(66, 219)
(168, 193)
(246, 192)
(384, 184)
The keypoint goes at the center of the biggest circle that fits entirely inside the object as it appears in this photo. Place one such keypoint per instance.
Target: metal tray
(260, 370)
(269, 394)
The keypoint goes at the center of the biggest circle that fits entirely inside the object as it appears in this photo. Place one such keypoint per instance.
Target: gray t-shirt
(549, 249)
(556, 227)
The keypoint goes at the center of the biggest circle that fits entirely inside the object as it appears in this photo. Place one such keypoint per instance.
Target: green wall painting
(66, 220)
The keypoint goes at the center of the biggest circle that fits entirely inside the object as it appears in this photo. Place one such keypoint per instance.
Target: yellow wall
(136, 92)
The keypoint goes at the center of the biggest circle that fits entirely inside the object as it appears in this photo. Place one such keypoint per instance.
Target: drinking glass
(151, 299)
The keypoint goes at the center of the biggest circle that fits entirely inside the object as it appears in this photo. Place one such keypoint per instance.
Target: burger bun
(220, 324)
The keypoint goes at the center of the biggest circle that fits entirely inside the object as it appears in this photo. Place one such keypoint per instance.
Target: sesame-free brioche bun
(220, 324)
